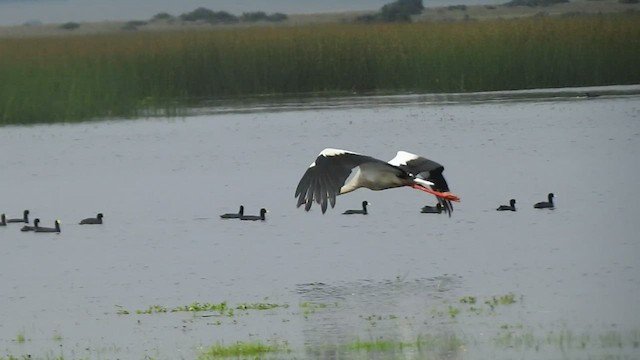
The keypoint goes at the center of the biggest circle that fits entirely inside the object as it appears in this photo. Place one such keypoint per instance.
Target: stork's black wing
(326, 175)
(424, 168)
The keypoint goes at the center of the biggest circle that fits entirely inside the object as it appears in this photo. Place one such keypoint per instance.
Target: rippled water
(394, 275)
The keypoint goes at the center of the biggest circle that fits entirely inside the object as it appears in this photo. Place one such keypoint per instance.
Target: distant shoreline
(430, 14)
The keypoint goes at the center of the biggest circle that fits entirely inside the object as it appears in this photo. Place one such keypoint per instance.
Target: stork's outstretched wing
(328, 173)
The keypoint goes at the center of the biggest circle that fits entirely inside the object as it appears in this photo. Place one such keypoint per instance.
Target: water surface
(391, 275)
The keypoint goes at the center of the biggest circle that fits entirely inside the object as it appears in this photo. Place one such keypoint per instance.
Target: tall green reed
(76, 78)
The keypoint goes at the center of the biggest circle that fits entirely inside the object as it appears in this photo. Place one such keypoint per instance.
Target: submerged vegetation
(254, 349)
(438, 343)
(443, 339)
(222, 308)
(76, 78)
(522, 338)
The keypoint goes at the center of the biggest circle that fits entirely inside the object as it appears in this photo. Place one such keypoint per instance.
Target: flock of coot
(240, 215)
(439, 208)
(541, 205)
(43, 229)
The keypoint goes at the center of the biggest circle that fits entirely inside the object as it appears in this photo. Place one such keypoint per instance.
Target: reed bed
(76, 78)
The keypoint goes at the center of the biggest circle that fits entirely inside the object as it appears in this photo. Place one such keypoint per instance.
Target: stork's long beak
(445, 195)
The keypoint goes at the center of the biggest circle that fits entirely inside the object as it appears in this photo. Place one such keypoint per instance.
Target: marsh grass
(255, 349)
(57, 336)
(472, 305)
(424, 344)
(20, 338)
(377, 345)
(260, 306)
(564, 339)
(309, 308)
(75, 78)
(222, 308)
(507, 299)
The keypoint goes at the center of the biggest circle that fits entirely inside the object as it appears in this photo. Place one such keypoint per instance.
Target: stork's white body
(336, 172)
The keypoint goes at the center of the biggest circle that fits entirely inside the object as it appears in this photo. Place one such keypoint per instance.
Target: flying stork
(336, 172)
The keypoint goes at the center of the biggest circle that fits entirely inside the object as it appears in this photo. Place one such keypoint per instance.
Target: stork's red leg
(445, 195)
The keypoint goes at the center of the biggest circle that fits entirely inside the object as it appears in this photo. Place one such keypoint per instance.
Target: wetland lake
(396, 283)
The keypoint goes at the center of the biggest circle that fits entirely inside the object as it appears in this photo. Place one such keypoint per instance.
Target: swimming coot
(432, 209)
(55, 229)
(510, 207)
(24, 219)
(31, 228)
(361, 212)
(255, 217)
(233, 215)
(92, 221)
(545, 204)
